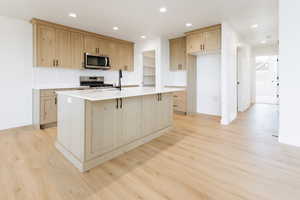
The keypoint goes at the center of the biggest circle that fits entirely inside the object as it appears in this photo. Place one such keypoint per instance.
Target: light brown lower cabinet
(45, 107)
(180, 102)
(48, 108)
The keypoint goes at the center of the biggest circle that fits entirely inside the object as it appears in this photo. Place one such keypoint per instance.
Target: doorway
(267, 80)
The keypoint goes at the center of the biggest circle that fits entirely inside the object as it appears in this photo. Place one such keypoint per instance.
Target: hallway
(260, 119)
(198, 159)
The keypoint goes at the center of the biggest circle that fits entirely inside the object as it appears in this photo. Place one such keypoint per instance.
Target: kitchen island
(99, 124)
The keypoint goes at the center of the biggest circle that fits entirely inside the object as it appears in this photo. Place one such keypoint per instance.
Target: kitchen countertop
(113, 93)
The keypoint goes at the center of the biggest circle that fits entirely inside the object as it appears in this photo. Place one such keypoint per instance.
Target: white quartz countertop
(112, 93)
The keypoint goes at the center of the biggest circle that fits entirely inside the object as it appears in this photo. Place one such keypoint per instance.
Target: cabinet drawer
(179, 107)
(180, 95)
(47, 93)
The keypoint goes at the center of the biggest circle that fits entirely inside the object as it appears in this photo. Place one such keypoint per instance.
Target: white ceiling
(142, 17)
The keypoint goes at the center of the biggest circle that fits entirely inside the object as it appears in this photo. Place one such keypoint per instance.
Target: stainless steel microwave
(96, 62)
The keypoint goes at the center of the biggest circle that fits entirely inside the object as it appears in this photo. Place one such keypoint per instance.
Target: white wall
(209, 84)
(15, 73)
(244, 77)
(228, 74)
(289, 51)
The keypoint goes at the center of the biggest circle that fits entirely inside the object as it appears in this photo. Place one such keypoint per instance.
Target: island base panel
(87, 165)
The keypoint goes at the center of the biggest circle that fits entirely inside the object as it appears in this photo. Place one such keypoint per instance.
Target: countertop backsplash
(68, 78)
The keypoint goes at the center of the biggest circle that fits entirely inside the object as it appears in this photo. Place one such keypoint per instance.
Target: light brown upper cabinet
(195, 42)
(126, 55)
(204, 40)
(91, 45)
(45, 46)
(212, 40)
(61, 46)
(177, 54)
(52, 47)
(77, 46)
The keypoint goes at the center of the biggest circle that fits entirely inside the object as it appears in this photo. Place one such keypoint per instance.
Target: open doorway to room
(267, 79)
(258, 88)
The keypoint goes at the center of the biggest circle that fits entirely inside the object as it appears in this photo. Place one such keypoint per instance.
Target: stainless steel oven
(96, 62)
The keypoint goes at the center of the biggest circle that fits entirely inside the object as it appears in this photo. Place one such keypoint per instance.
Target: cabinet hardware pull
(53, 63)
(121, 106)
(56, 63)
(158, 97)
(55, 100)
(203, 47)
(117, 104)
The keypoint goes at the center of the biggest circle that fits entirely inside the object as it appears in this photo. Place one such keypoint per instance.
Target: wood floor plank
(198, 159)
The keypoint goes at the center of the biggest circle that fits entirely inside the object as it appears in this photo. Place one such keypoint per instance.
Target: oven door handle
(106, 61)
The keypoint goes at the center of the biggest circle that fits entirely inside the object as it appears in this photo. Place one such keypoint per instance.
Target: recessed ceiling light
(143, 37)
(163, 9)
(188, 24)
(254, 26)
(116, 28)
(263, 42)
(72, 15)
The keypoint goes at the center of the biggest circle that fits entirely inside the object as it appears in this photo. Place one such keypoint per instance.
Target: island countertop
(113, 93)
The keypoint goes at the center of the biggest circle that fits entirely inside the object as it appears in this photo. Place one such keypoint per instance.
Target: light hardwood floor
(198, 159)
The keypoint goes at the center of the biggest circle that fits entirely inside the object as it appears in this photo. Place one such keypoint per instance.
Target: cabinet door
(48, 110)
(126, 53)
(91, 45)
(103, 47)
(195, 42)
(164, 111)
(149, 113)
(63, 48)
(100, 127)
(114, 54)
(173, 55)
(131, 122)
(178, 54)
(45, 46)
(212, 40)
(77, 48)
